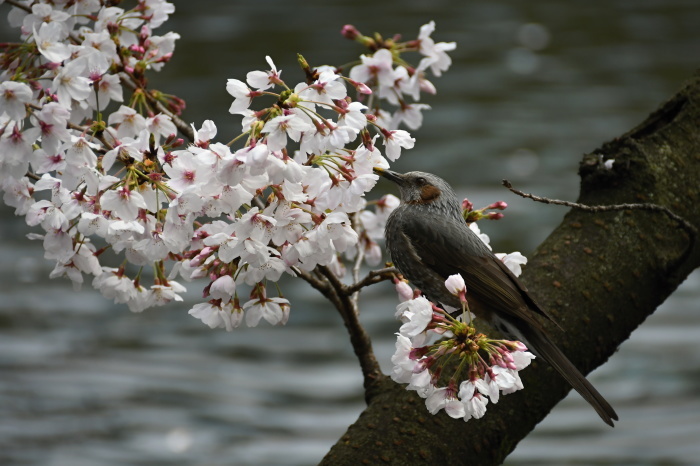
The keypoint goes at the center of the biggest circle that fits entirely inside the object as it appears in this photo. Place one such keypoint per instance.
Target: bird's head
(420, 188)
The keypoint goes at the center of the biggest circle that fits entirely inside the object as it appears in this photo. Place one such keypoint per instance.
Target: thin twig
(314, 281)
(19, 5)
(258, 202)
(686, 225)
(179, 123)
(361, 342)
(337, 286)
(374, 276)
(355, 296)
(101, 137)
(321, 284)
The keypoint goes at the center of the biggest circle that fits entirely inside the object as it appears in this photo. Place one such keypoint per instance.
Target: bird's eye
(420, 180)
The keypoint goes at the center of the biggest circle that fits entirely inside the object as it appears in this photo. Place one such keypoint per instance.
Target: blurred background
(534, 85)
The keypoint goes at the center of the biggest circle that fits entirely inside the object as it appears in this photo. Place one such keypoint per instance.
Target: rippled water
(533, 86)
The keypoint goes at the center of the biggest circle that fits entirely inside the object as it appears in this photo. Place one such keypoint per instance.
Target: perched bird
(429, 240)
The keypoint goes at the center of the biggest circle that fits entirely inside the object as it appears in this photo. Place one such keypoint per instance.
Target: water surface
(533, 87)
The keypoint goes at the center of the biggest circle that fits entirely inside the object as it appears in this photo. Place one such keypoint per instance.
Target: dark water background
(534, 86)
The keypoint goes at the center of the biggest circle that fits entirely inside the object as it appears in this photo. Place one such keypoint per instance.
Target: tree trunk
(599, 274)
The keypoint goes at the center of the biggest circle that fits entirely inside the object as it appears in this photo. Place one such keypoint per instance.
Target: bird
(429, 240)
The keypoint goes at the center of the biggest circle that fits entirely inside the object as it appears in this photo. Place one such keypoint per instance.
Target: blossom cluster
(463, 370)
(74, 61)
(514, 260)
(471, 214)
(102, 171)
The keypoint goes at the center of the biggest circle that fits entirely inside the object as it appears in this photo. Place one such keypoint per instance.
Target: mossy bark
(599, 274)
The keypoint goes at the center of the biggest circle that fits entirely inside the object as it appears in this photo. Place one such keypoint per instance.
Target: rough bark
(600, 274)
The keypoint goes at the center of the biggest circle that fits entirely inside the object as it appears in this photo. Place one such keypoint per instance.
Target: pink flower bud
(426, 86)
(361, 87)
(455, 285)
(165, 58)
(500, 205)
(467, 205)
(145, 32)
(495, 215)
(497, 360)
(196, 262)
(417, 353)
(403, 290)
(508, 359)
(518, 346)
(201, 257)
(350, 32)
(423, 364)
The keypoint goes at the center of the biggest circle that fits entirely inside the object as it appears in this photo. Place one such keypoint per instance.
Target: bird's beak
(389, 175)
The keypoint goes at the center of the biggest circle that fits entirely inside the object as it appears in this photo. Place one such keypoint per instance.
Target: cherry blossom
(395, 140)
(415, 314)
(327, 88)
(50, 41)
(123, 202)
(13, 97)
(455, 285)
(436, 56)
(286, 195)
(283, 126)
(263, 80)
(128, 121)
(514, 261)
(70, 85)
(376, 68)
(243, 96)
(270, 309)
(485, 369)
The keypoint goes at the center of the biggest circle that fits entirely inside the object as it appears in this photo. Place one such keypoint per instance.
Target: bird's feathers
(553, 355)
(448, 247)
(445, 247)
(429, 240)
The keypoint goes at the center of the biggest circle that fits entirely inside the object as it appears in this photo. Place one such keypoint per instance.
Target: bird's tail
(541, 345)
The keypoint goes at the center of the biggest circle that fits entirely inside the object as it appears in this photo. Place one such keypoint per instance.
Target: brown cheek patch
(429, 193)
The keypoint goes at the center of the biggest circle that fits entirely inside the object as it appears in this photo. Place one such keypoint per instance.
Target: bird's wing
(524, 292)
(449, 247)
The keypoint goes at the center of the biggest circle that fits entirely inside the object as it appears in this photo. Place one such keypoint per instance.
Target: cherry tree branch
(374, 276)
(179, 123)
(320, 284)
(359, 338)
(686, 225)
(358, 260)
(19, 5)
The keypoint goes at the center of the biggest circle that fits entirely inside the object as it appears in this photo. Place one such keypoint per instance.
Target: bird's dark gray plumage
(429, 240)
